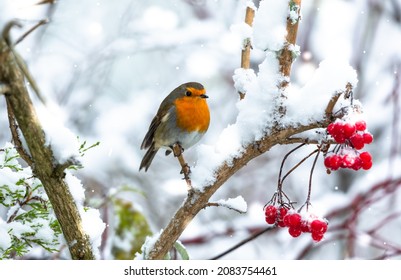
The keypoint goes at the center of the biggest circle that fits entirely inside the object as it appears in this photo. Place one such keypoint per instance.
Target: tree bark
(41, 155)
(197, 201)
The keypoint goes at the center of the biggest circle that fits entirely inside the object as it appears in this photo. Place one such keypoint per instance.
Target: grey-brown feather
(148, 157)
(148, 139)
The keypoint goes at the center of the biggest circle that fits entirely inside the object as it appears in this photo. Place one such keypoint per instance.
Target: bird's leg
(178, 151)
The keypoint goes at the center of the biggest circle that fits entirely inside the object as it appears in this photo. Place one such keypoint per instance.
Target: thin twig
(46, 2)
(297, 165)
(41, 22)
(246, 51)
(334, 99)
(15, 135)
(279, 181)
(307, 202)
(394, 139)
(287, 57)
(18, 58)
(6, 31)
(216, 204)
(243, 242)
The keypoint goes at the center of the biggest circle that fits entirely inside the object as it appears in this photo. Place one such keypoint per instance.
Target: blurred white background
(105, 66)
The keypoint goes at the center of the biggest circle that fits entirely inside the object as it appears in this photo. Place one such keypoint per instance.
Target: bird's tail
(148, 157)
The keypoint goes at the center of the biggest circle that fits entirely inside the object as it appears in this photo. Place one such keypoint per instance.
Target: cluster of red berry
(352, 137)
(297, 224)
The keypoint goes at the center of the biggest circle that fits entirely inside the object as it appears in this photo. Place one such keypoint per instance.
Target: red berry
(270, 211)
(305, 226)
(336, 130)
(317, 236)
(283, 211)
(294, 231)
(365, 157)
(270, 220)
(357, 164)
(366, 160)
(327, 161)
(360, 125)
(367, 138)
(331, 129)
(357, 141)
(349, 130)
(318, 226)
(367, 165)
(339, 138)
(292, 220)
(270, 214)
(332, 162)
(347, 161)
(286, 220)
(281, 214)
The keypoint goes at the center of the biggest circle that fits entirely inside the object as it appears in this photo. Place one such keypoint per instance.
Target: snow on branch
(47, 164)
(270, 115)
(237, 204)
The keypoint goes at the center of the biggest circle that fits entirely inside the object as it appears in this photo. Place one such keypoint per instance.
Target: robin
(183, 118)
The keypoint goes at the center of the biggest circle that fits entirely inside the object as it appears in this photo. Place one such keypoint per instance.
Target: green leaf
(181, 250)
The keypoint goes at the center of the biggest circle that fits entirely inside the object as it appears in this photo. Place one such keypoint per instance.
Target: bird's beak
(204, 96)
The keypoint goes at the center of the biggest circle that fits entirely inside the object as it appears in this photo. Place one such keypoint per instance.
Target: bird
(182, 118)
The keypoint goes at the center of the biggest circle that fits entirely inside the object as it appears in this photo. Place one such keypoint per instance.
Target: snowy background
(104, 67)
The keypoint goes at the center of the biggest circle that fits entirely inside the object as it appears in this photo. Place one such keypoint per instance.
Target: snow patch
(92, 224)
(238, 204)
(147, 246)
(317, 92)
(61, 140)
(5, 239)
(270, 25)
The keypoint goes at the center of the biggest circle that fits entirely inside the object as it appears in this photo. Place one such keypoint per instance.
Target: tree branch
(287, 55)
(217, 204)
(196, 200)
(334, 99)
(246, 51)
(243, 242)
(20, 39)
(42, 156)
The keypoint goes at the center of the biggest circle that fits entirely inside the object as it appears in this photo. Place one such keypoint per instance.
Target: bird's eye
(188, 93)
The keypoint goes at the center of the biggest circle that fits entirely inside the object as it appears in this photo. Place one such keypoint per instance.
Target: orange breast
(192, 114)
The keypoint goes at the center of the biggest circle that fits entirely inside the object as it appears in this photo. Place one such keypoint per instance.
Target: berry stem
(308, 197)
(280, 181)
(297, 165)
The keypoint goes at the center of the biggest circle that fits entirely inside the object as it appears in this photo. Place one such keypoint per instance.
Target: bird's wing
(147, 141)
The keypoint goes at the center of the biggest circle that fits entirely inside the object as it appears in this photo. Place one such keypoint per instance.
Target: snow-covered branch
(39, 154)
(269, 115)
